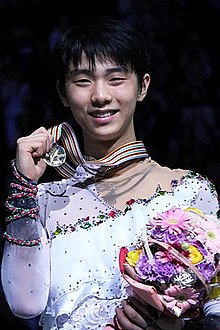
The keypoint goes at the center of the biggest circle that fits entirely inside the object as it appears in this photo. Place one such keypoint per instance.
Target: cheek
(128, 95)
(78, 116)
(78, 106)
(128, 101)
(77, 98)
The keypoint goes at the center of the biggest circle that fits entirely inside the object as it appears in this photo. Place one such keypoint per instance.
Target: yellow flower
(194, 254)
(215, 290)
(195, 210)
(133, 257)
(215, 293)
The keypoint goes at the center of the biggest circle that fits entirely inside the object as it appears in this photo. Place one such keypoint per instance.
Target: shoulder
(184, 176)
(189, 183)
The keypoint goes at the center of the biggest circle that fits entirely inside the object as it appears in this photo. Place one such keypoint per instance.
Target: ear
(145, 84)
(61, 94)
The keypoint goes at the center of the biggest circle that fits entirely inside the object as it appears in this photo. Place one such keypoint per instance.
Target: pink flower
(173, 245)
(175, 220)
(163, 256)
(209, 233)
(178, 300)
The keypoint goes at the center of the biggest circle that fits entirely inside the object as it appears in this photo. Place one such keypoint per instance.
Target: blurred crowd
(178, 121)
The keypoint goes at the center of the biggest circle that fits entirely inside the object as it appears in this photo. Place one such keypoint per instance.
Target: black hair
(102, 38)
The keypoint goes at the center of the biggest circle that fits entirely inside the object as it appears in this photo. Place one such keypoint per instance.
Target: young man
(63, 238)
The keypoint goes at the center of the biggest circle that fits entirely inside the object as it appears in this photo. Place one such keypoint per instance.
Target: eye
(117, 80)
(82, 82)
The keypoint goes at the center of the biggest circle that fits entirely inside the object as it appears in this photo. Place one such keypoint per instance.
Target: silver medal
(56, 156)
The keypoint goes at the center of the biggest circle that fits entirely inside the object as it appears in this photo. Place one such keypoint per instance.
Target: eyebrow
(89, 72)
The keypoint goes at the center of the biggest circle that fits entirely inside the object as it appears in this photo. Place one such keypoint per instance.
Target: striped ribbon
(65, 133)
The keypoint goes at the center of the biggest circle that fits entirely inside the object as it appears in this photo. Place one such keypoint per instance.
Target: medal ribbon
(65, 133)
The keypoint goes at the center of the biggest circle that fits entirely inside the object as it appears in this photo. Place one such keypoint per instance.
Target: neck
(102, 148)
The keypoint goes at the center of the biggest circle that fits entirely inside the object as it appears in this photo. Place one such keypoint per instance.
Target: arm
(25, 268)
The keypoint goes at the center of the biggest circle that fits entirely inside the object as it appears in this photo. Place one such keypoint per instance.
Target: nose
(101, 95)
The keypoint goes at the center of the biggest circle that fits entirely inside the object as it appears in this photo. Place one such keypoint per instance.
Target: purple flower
(151, 270)
(166, 270)
(166, 236)
(206, 269)
(168, 249)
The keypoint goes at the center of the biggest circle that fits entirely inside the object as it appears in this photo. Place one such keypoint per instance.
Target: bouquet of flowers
(176, 260)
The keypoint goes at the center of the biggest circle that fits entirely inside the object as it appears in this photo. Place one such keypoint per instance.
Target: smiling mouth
(103, 114)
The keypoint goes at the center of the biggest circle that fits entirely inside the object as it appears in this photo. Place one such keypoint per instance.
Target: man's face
(103, 101)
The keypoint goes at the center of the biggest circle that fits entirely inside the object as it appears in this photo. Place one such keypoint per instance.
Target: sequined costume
(72, 275)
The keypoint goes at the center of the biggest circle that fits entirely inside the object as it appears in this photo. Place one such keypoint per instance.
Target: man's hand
(136, 315)
(30, 151)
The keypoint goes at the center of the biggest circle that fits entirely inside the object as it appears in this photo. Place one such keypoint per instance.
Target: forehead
(98, 63)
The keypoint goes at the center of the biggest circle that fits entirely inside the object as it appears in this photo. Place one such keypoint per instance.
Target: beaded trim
(21, 242)
(86, 223)
(23, 191)
(28, 190)
(21, 178)
(32, 190)
(83, 223)
(17, 212)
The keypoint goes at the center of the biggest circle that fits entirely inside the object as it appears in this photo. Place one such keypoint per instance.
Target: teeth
(103, 114)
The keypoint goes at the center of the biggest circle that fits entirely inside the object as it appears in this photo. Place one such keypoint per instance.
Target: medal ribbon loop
(65, 133)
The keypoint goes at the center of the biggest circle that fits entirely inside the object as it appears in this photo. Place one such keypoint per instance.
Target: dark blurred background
(178, 121)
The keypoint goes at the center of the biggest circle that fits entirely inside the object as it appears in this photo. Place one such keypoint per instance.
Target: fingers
(167, 322)
(134, 315)
(42, 133)
(128, 319)
(39, 130)
(129, 270)
(149, 312)
(30, 151)
(36, 144)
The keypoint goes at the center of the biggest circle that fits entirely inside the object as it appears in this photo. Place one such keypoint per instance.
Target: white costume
(73, 275)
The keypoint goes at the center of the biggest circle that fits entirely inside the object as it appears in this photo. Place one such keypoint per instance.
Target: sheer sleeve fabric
(25, 275)
(25, 269)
